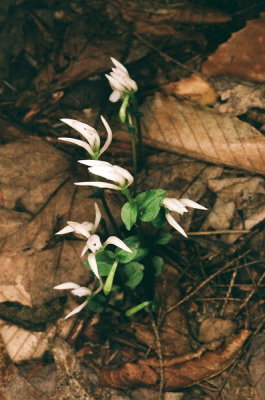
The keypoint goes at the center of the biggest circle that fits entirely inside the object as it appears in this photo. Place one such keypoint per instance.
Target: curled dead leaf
(146, 372)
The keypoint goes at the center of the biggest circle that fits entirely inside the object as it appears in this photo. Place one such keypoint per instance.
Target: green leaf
(160, 219)
(158, 264)
(132, 273)
(105, 261)
(149, 204)
(129, 214)
(163, 238)
(97, 303)
(138, 308)
(138, 252)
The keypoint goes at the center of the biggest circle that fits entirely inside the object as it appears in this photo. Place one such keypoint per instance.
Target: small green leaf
(138, 308)
(97, 303)
(109, 281)
(149, 204)
(105, 260)
(160, 219)
(132, 273)
(163, 238)
(158, 264)
(138, 252)
(129, 214)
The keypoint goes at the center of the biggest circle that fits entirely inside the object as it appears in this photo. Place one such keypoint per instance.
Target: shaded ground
(210, 318)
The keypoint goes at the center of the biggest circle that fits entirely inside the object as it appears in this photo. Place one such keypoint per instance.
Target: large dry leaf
(256, 363)
(177, 373)
(242, 55)
(37, 198)
(182, 127)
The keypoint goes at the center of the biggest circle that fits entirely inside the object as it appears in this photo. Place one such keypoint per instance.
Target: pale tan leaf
(202, 133)
(193, 88)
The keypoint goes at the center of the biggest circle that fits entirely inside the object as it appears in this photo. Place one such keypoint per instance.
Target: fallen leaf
(233, 194)
(202, 133)
(242, 55)
(215, 328)
(256, 364)
(240, 97)
(146, 372)
(193, 88)
(37, 189)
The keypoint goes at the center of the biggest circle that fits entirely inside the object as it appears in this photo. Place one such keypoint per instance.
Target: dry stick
(229, 290)
(160, 358)
(251, 293)
(201, 285)
(166, 56)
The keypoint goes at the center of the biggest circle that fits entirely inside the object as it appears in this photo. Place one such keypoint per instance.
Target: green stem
(127, 193)
(109, 281)
(138, 128)
(131, 129)
(137, 308)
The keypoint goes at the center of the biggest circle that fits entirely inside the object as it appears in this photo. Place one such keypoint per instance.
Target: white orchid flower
(92, 146)
(179, 206)
(77, 290)
(120, 81)
(120, 176)
(94, 245)
(85, 229)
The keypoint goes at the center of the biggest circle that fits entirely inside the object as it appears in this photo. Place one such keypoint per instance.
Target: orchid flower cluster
(152, 207)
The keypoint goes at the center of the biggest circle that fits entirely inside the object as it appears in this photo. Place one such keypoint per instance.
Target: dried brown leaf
(184, 128)
(256, 365)
(146, 372)
(138, 13)
(242, 55)
(37, 187)
(193, 88)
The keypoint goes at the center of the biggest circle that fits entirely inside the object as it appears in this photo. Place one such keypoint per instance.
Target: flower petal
(81, 291)
(65, 230)
(175, 225)
(103, 185)
(192, 204)
(118, 243)
(115, 96)
(89, 133)
(174, 205)
(118, 64)
(95, 163)
(115, 85)
(79, 228)
(67, 285)
(93, 264)
(109, 137)
(97, 218)
(107, 173)
(78, 142)
(126, 174)
(77, 309)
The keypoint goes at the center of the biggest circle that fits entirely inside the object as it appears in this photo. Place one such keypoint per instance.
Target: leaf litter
(35, 205)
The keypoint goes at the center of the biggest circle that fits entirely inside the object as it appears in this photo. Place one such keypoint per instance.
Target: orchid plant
(123, 268)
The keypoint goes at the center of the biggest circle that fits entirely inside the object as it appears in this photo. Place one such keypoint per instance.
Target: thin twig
(229, 290)
(160, 359)
(202, 284)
